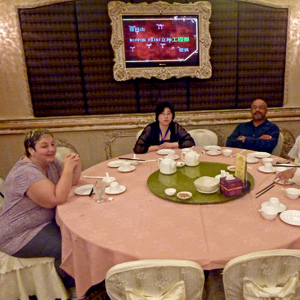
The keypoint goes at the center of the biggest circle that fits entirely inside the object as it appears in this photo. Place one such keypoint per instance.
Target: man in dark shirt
(258, 134)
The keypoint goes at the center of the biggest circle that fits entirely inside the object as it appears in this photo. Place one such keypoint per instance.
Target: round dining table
(138, 224)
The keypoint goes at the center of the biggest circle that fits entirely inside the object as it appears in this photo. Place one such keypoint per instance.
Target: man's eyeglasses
(260, 107)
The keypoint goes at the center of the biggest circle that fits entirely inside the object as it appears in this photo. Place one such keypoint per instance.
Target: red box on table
(231, 187)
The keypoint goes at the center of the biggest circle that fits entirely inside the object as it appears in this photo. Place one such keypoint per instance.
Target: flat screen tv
(160, 40)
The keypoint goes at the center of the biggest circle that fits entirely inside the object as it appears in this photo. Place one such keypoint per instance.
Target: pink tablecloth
(139, 225)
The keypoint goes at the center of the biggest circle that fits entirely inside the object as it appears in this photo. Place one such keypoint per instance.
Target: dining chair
(63, 148)
(278, 148)
(204, 137)
(24, 277)
(155, 279)
(271, 274)
(2, 192)
(138, 134)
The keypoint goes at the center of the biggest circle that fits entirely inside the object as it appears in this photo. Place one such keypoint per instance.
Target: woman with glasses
(164, 133)
(33, 188)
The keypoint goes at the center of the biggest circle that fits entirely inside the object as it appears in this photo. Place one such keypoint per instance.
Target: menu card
(241, 167)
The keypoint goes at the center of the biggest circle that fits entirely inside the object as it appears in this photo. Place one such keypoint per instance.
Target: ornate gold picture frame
(177, 66)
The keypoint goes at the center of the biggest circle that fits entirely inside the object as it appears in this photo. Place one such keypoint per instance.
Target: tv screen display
(161, 41)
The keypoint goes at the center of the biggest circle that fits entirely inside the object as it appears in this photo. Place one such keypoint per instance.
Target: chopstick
(131, 158)
(265, 189)
(91, 192)
(291, 166)
(93, 177)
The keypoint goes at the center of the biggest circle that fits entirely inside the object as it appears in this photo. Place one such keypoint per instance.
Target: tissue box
(232, 187)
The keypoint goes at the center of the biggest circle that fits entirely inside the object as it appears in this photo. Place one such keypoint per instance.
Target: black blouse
(150, 137)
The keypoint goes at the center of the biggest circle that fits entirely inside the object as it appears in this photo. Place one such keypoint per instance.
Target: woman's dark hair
(32, 136)
(160, 107)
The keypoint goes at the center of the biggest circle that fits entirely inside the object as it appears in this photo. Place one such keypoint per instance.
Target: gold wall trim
(134, 121)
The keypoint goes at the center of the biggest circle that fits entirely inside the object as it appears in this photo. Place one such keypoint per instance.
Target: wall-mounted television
(160, 40)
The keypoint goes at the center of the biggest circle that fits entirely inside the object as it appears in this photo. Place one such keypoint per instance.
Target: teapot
(167, 165)
(191, 158)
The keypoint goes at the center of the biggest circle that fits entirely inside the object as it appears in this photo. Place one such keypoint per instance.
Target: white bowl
(170, 191)
(269, 212)
(207, 184)
(227, 152)
(292, 193)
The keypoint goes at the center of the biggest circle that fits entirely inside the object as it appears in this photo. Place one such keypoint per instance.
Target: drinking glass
(99, 192)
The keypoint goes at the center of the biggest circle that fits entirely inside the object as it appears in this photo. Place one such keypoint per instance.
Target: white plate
(254, 161)
(115, 163)
(262, 154)
(175, 157)
(83, 190)
(187, 195)
(291, 217)
(122, 169)
(165, 151)
(207, 148)
(122, 189)
(210, 152)
(281, 208)
(262, 169)
(211, 192)
(180, 164)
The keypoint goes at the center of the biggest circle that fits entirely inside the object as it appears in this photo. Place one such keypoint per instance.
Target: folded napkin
(253, 291)
(177, 292)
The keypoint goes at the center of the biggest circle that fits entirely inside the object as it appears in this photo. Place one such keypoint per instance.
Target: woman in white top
(292, 174)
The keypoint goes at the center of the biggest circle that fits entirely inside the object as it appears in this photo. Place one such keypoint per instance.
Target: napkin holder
(231, 186)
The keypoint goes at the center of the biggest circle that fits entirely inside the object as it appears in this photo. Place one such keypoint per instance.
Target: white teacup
(274, 202)
(227, 152)
(267, 160)
(171, 155)
(292, 193)
(213, 151)
(115, 187)
(126, 165)
(251, 157)
(268, 167)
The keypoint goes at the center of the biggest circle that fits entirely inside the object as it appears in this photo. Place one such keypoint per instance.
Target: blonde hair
(32, 136)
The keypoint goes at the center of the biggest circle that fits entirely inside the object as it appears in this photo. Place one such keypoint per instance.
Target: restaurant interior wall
(99, 137)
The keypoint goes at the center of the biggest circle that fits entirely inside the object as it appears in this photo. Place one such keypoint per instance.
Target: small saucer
(210, 147)
(211, 192)
(231, 168)
(122, 189)
(213, 152)
(254, 161)
(184, 195)
(262, 169)
(122, 169)
(180, 164)
(281, 208)
(165, 151)
(262, 154)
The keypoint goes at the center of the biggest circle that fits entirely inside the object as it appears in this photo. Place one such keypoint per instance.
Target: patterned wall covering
(69, 61)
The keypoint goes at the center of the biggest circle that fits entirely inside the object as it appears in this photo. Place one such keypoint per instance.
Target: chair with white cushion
(63, 148)
(155, 279)
(139, 133)
(24, 277)
(272, 274)
(204, 137)
(277, 150)
(2, 192)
